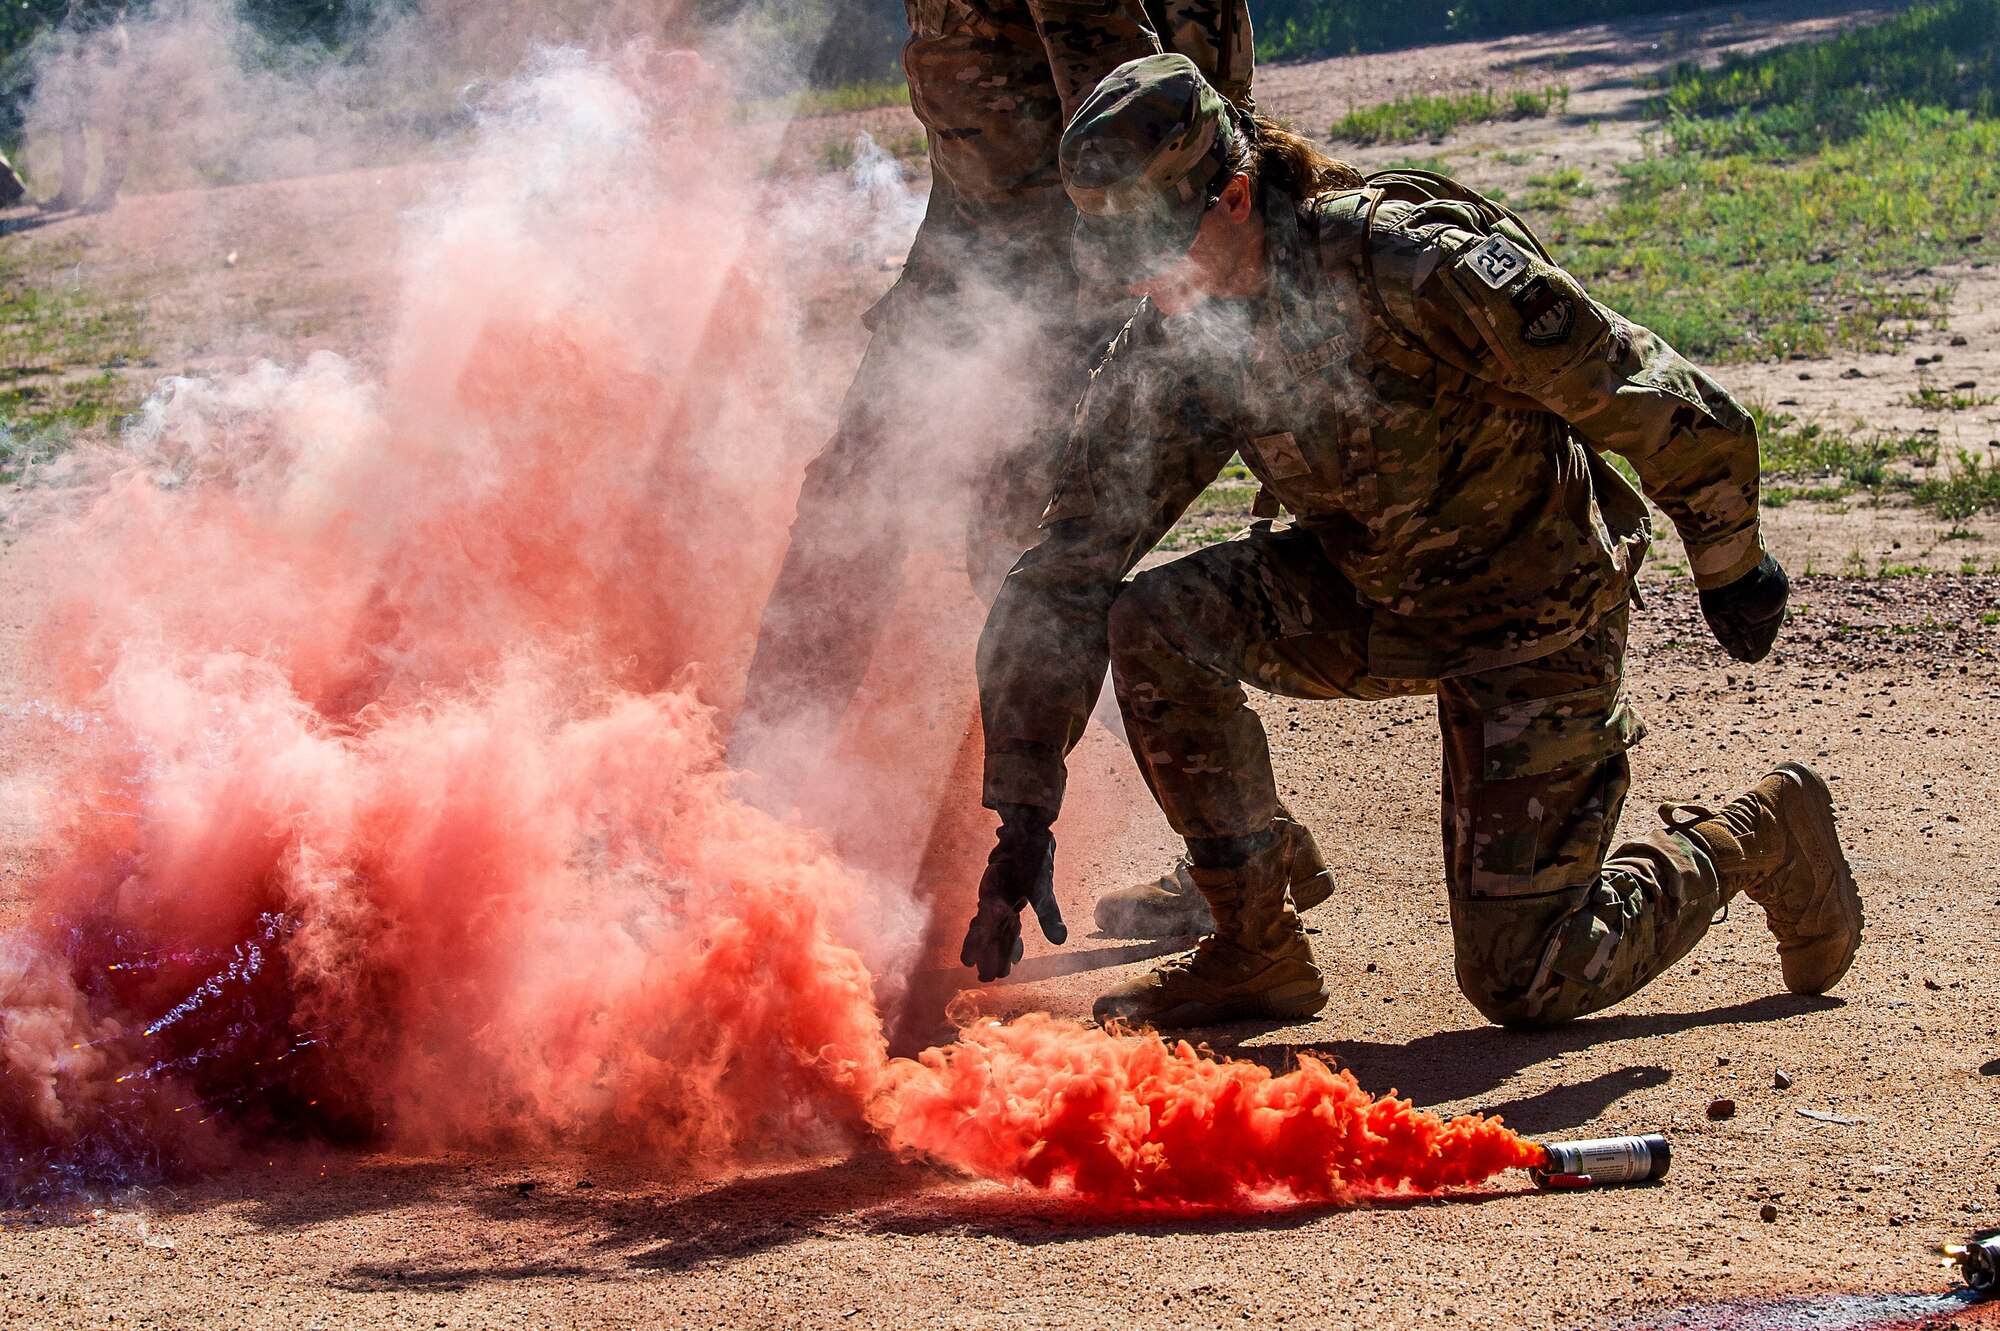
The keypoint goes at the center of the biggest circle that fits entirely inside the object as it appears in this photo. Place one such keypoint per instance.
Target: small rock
(1782, 1080)
(1929, 983)
(1959, 341)
(1721, 1109)
(1852, 373)
(1964, 384)
(524, 1187)
(585, 1183)
(1767, 1212)
(1804, 375)
(1370, 968)
(1722, 1060)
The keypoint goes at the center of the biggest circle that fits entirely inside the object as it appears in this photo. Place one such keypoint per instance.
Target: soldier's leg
(1267, 609)
(1549, 921)
(75, 164)
(839, 581)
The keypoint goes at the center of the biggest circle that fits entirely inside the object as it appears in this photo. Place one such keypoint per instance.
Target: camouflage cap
(1136, 160)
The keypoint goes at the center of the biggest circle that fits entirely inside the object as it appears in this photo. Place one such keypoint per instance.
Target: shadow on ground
(1467, 1064)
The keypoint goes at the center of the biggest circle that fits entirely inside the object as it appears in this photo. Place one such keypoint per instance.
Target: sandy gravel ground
(1889, 685)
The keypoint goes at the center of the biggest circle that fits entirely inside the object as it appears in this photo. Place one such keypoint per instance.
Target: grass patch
(1554, 191)
(1408, 119)
(1801, 98)
(1739, 258)
(1802, 195)
(1928, 396)
(1811, 452)
(861, 96)
(63, 351)
(1971, 485)
(1218, 512)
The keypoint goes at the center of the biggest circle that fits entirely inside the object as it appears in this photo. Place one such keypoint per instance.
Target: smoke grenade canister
(1979, 1262)
(1603, 1160)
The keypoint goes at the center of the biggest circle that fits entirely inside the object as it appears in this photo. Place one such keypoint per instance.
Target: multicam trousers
(956, 415)
(1549, 921)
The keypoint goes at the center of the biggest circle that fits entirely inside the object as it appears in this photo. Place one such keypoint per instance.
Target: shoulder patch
(1547, 312)
(1497, 261)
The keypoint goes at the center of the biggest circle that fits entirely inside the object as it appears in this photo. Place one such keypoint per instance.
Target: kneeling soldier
(1404, 369)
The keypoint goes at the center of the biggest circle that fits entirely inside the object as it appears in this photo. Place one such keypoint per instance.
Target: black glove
(1745, 616)
(1020, 872)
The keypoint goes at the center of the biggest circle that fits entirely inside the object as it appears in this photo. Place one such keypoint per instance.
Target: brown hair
(1270, 152)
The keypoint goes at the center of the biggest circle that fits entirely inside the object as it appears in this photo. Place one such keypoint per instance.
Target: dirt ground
(1887, 684)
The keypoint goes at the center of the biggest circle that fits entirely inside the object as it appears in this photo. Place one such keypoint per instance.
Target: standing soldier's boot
(1170, 906)
(1257, 963)
(1776, 844)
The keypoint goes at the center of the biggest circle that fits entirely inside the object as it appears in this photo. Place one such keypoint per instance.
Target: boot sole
(1828, 859)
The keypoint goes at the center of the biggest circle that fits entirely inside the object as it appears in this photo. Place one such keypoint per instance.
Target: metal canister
(1979, 1262)
(1603, 1160)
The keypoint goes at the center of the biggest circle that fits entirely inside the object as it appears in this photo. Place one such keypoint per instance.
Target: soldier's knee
(1521, 1008)
(1138, 619)
(1526, 962)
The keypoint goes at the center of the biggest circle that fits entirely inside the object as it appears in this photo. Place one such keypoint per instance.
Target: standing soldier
(1403, 368)
(87, 91)
(979, 350)
(978, 353)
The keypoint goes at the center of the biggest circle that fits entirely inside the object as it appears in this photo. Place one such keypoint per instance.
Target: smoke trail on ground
(393, 807)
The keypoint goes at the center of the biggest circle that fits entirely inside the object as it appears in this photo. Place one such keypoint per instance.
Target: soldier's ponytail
(1291, 163)
(1267, 151)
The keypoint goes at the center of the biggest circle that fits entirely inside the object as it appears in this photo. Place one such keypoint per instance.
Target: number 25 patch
(1499, 261)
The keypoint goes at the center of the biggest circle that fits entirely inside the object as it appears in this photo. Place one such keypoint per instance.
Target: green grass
(1218, 513)
(1830, 465)
(1928, 396)
(1740, 258)
(1807, 451)
(1800, 197)
(1970, 485)
(1801, 98)
(1554, 191)
(863, 96)
(64, 348)
(1408, 119)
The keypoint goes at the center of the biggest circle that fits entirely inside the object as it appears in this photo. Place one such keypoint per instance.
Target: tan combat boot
(1776, 844)
(1170, 906)
(1256, 964)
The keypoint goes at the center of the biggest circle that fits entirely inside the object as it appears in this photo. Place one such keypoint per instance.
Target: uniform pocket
(1556, 734)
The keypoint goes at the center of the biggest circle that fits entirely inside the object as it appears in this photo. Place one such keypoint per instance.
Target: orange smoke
(1129, 1119)
(391, 804)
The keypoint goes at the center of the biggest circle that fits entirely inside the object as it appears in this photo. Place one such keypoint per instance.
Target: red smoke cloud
(392, 804)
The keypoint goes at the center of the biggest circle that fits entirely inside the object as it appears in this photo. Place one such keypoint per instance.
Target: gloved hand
(1020, 872)
(1745, 615)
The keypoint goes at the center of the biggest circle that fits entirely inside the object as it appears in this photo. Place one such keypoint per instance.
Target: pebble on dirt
(1782, 1080)
(1721, 1109)
(1767, 1212)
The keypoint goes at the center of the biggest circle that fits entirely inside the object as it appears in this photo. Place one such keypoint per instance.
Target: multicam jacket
(1426, 396)
(994, 82)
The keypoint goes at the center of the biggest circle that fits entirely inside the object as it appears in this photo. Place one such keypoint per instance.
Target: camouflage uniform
(1430, 400)
(85, 86)
(978, 352)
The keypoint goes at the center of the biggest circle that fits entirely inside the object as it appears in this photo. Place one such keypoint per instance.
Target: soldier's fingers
(1049, 914)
